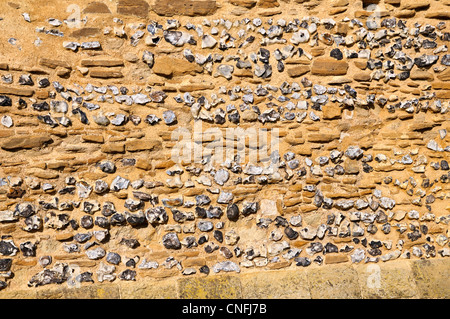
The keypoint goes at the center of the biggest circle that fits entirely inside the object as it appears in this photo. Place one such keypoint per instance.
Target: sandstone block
(101, 62)
(168, 67)
(185, 7)
(105, 73)
(221, 287)
(25, 142)
(137, 8)
(329, 66)
(297, 70)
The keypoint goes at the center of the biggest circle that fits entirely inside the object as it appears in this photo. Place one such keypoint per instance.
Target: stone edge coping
(399, 279)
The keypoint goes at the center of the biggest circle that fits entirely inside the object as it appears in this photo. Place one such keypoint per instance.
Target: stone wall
(96, 96)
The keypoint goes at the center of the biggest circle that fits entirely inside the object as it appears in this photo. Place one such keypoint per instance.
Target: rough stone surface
(94, 111)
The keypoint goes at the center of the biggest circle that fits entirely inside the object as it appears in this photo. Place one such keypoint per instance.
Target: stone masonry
(95, 97)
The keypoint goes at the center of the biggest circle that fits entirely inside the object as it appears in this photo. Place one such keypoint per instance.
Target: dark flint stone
(74, 224)
(47, 119)
(136, 219)
(426, 60)
(250, 208)
(108, 209)
(280, 66)
(214, 212)
(49, 276)
(25, 210)
(415, 235)
(427, 44)
(43, 83)
(372, 229)
(264, 55)
(200, 211)
(234, 117)
(337, 54)
(130, 263)
(83, 117)
(318, 260)
(375, 244)
(403, 75)
(107, 167)
(67, 190)
(226, 252)
(219, 119)
(26, 80)
(82, 237)
(202, 200)
(386, 228)
(330, 219)
(190, 242)
(316, 247)
(364, 242)
(424, 229)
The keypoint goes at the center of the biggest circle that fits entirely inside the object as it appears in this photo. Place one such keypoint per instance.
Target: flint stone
(96, 253)
(227, 266)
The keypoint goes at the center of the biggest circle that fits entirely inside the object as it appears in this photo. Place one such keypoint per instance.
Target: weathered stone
(298, 70)
(185, 7)
(105, 73)
(169, 67)
(137, 8)
(101, 62)
(96, 7)
(26, 142)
